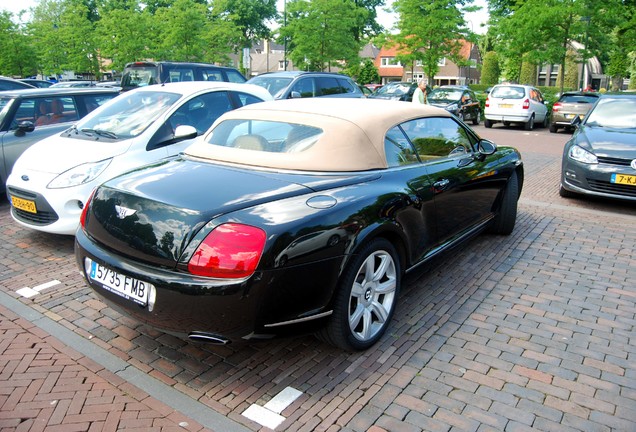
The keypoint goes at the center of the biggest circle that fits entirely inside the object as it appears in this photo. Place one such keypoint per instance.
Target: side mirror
(184, 132)
(576, 121)
(486, 148)
(295, 95)
(26, 126)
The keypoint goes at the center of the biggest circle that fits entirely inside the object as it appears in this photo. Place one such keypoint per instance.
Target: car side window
(304, 86)
(94, 101)
(245, 98)
(437, 137)
(398, 149)
(180, 75)
(328, 86)
(201, 111)
(212, 75)
(234, 76)
(346, 85)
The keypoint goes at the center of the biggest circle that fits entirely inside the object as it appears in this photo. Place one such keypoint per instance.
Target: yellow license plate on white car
(505, 105)
(22, 204)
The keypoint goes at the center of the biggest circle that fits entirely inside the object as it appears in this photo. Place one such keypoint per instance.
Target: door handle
(440, 185)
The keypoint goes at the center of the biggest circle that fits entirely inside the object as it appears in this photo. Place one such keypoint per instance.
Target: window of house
(442, 62)
(389, 61)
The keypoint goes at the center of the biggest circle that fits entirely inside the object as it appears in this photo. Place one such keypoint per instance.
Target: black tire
(564, 193)
(529, 125)
(554, 128)
(506, 218)
(488, 123)
(477, 118)
(365, 299)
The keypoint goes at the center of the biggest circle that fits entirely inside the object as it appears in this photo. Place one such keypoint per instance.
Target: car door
(19, 136)
(538, 105)
(463, 187)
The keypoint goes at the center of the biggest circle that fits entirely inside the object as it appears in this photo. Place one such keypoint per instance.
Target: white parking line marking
(31, 292)
(269, 415)
(283, 399)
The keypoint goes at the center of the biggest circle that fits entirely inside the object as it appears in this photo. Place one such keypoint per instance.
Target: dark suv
(139, 74)
(298, 84)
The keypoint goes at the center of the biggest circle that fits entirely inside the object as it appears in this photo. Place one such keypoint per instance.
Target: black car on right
(600, 158)
(458, 100)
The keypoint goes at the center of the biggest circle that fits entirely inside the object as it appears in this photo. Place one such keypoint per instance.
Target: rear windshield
(140, 76)
(261, 135)
(508, 92)
(579, 98)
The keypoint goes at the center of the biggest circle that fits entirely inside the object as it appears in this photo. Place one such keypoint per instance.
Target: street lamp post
(587, 26)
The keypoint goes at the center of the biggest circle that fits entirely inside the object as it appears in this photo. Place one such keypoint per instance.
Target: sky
(473, 20)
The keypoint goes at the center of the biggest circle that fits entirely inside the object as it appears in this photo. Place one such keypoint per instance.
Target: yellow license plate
(505, 105)
(22, 204)
(624, 179)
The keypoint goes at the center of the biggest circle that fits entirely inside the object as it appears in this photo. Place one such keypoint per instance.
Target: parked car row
(213, 211)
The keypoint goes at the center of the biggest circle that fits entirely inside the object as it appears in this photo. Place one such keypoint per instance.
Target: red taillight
(526, 104)
(487, 101)
(230, 251)
(85, 210)
(556, 107)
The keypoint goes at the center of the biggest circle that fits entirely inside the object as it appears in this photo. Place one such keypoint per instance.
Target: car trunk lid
(153, 214)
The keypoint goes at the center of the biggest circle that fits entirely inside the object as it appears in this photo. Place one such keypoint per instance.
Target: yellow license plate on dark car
(624, 179)
(22, 204)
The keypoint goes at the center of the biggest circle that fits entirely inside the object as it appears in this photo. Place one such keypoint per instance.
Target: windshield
(619, 113)
(445, 94)
(129, 114)
(140, 76)
(272, 84)
(394, 89)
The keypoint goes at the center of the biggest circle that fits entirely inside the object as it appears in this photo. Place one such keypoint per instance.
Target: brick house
(449, 73)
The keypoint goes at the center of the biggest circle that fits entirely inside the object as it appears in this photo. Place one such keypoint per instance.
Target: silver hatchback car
(515, 103)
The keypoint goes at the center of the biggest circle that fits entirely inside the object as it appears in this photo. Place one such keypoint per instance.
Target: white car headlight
(79, 175)
(581, 155)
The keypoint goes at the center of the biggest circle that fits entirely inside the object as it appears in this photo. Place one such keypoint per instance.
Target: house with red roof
(449, 73)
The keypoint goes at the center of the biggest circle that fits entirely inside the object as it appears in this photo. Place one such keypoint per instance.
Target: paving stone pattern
(534, 331)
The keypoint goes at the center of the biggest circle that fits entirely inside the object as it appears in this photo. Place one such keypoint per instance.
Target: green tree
(430, 31)
(122, 33)
(320, 33)
(77, 37)
(250, 18)
(179, 31)
(364, 72)
(490, 71)
(528, 73)
(45, 28)
(552, 24)
(18, 57)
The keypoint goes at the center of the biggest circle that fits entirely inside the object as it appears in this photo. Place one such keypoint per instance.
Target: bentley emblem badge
(123, 212)
(633, 164)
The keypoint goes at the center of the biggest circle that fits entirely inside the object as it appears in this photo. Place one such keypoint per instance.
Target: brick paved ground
(534, 331)
(44, 385)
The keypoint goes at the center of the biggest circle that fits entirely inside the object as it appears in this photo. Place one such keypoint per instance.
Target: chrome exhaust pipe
(208, 338)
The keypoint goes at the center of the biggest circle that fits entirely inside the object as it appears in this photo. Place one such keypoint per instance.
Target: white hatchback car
(515, 103)
(51, 181)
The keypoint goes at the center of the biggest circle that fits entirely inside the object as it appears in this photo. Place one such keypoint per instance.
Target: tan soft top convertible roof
(353, 138)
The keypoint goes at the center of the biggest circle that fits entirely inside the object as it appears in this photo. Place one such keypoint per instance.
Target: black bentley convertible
(294, 214)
